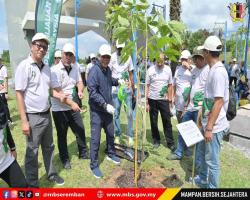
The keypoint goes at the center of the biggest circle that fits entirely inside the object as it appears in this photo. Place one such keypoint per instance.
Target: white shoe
(130, 141)
(117, 140)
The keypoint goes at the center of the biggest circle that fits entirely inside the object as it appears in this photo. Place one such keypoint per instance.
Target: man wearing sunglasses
(32, 84)
(65, 77)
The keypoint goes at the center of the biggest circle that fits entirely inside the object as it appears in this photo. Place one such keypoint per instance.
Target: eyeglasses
(40, 46)
(57, 58)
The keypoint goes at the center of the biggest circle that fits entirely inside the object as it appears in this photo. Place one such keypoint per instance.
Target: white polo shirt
(120, 70)
(5, 157)
(217, 85)
(182, 82)
(67, 82)
(158, 80)
(233, 70)
(3, 76)
(35, 85)
(199, 77)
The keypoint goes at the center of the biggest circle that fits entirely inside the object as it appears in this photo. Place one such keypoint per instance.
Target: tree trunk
(175, 10)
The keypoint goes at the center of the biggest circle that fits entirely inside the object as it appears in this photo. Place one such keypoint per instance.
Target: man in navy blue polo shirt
(100, 84)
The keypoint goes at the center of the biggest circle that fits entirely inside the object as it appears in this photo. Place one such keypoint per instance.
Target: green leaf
(177, 26)
(172, 54)
(142, 6)
(163, 41)
(119, 31)
(128, 2)
(123, 21)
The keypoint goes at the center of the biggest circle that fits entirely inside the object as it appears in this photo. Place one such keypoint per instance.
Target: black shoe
(67, 165)
(156, 145)
(84, 156)
(56, 179)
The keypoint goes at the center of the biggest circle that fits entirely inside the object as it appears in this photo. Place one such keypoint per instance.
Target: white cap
(58, 54)
(68, 47)
(40, 36)
(118, 45)
(185, 54)
(234, 60)
(212, 43)
(92, 55)
(105, 49)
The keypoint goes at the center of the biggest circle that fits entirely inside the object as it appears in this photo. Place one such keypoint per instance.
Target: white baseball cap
(212, 43)
(68, 47)
(105, 49)
(118, 45)
(185, 54)
(58, 54)
(92, 55)
(234, 60)
(40, 36)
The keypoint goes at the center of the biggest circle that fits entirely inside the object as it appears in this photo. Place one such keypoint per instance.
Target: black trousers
(98, 121)
(6, 106)
(163, 107)
(14, 176)
(63, 120)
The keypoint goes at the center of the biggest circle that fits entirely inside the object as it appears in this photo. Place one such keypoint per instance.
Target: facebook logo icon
(6, 194)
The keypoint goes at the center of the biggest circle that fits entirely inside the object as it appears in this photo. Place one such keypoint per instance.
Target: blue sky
(196, 14)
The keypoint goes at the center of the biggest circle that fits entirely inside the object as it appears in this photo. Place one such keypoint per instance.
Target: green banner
(47, 21)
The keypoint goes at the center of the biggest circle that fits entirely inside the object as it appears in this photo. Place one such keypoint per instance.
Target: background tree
(6, 56)
(197, 38)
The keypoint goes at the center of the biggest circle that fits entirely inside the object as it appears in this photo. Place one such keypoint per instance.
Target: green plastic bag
(122, 94)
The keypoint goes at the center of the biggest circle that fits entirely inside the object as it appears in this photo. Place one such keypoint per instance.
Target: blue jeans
(210, 160)
(181, 145)
(129, 112)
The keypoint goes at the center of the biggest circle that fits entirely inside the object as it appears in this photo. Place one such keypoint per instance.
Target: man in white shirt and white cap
(93, 58)
(122, 71)
(57, 56)
(214, 121)
(65, 77)
(182, 83)
(32, 85)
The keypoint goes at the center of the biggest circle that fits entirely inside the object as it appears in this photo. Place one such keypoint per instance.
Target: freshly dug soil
(124, 178)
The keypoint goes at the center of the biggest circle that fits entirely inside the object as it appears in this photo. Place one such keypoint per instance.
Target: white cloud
(88, 42)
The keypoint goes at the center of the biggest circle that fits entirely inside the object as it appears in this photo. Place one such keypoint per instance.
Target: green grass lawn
(235, 167)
